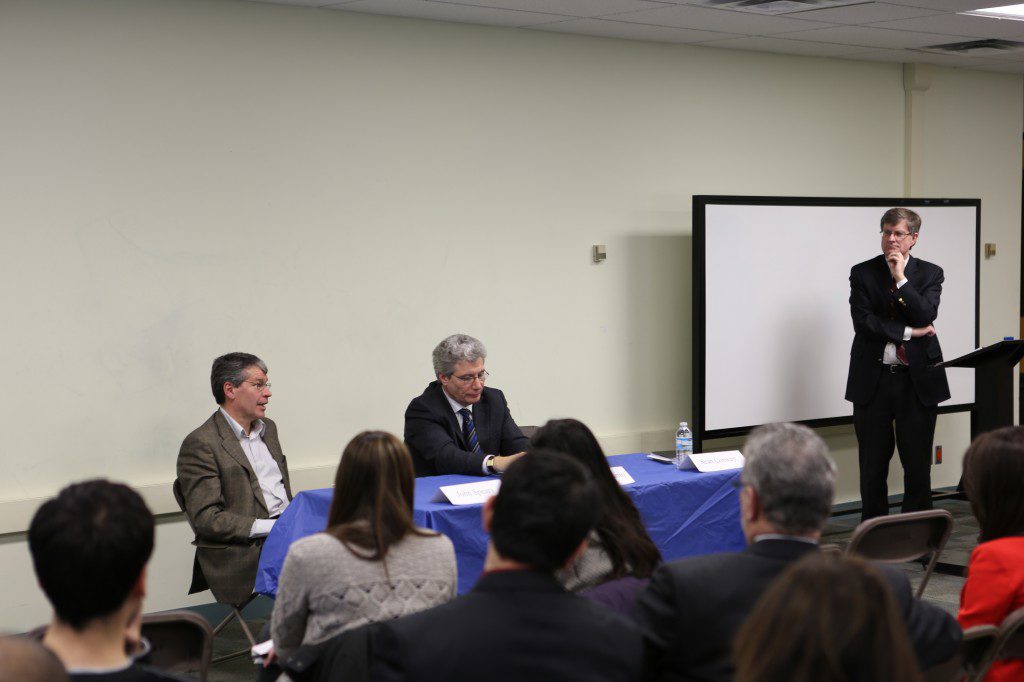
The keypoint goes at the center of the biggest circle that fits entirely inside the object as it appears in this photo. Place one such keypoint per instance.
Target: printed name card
(468, 493)
(622, 476)
(705, 462)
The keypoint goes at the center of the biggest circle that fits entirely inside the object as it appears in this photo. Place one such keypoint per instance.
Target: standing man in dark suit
(233, 480)
(518, 622)
(693, 608)
(894, 300)
(459, 426)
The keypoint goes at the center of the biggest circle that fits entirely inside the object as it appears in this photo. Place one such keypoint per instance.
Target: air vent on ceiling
(775, 6)
(976, 47)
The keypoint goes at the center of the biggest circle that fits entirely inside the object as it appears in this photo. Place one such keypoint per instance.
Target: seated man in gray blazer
(693, 608)
(232, 480)
(458, 425)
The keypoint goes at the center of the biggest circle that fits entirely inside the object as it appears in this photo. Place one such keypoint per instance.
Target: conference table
(686, 512)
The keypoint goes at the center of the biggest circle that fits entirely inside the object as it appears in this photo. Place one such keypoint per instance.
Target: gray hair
(795, 479)
(457, 348)
(232, 368)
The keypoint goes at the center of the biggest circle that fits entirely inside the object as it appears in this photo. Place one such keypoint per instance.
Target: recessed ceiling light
(1015, 12)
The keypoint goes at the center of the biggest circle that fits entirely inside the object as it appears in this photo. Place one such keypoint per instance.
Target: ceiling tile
(959, 24)
(303, 3)
(573, 8)
(871, 36)
(784, 46)
(688, 16)
(443, 11)
(620, 29)
(864, 14)
(946, 5)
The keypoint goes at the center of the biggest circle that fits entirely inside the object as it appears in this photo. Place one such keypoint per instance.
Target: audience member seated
(826, 619)
(459, 426)
(518, 623)
(994, 479)
(619, 545)
(23, 659)
(371, 563)
(90, 546)
(692, 608)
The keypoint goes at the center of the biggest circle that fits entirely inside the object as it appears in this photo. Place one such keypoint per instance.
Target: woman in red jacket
(993, 480)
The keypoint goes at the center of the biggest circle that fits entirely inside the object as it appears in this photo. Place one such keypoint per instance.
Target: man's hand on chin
(896, 262)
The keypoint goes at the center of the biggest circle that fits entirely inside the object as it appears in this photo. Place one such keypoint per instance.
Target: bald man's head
(26, 660)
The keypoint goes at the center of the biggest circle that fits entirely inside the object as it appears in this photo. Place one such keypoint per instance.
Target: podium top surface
(1007, 352)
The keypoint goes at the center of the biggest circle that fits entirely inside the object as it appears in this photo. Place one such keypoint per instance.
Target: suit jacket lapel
(446, 409)
(233, 448)
(481, 413)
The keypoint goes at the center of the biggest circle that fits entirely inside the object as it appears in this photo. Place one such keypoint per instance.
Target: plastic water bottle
(684, 445)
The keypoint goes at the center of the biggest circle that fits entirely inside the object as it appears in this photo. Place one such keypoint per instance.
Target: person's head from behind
(788, 482)
(993, 479)
(23, 659)
(543, 511)
(373, 493)
(90, 546)
(826, 619)
(619, 526)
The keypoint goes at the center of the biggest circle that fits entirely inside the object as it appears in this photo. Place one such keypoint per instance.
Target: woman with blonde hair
(371, 563)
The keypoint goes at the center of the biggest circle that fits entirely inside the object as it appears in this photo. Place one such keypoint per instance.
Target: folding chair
(1009, 643)
(974, 655)
(831, 549)
(900, 538)
(236, 609)
(180, 642)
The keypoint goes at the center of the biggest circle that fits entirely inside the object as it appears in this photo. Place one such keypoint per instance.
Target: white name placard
(468, 493)
(622, 476)
(705, 462)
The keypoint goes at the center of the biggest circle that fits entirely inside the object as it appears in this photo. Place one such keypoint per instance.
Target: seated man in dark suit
(518, 623)
(233, 480)
(693, 608)
(90, 546)
(459, 426)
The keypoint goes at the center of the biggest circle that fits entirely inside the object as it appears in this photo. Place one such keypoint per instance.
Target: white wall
(183, 178)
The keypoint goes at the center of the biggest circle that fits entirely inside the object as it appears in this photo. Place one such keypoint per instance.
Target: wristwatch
(489, 464)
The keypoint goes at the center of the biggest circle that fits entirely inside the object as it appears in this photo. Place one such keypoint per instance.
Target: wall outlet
(938, 454)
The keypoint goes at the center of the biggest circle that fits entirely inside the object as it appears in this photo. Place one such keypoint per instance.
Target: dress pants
(895, 401)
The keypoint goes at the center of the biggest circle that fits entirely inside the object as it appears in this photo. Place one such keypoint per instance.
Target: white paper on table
(706, 462)
(467, 493)
(622, 476)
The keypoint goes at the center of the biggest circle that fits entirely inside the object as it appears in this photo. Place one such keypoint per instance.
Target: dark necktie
(901, 353)
(469, 430)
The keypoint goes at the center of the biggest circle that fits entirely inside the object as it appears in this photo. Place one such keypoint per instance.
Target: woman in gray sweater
(372, 563)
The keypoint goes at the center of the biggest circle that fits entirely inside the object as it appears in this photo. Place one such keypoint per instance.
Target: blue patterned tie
(469, 430)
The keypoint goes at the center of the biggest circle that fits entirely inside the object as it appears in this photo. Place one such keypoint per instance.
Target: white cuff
(261, 528)
(907, 333)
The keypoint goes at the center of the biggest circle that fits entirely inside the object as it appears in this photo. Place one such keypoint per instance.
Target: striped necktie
(469, 430)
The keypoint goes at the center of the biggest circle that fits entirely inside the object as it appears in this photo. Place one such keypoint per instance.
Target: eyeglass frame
(467, 380)
(258, 385)
(896, 233)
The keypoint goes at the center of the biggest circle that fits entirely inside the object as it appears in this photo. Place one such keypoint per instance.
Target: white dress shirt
(889, 354)
(456, 406)
(268, 473)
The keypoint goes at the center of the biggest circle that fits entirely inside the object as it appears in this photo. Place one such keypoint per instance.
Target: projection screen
(772, 328)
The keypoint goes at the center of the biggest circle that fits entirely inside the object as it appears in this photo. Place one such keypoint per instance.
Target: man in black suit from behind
(894, 299)
(458, 425)
(693, 608)
(518, 622)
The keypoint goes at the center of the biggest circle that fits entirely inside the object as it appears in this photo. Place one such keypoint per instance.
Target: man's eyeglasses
(467, 379)
(897, 233)
(259, 385)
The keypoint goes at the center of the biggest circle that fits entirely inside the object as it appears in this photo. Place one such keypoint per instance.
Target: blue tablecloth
(686, 513)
